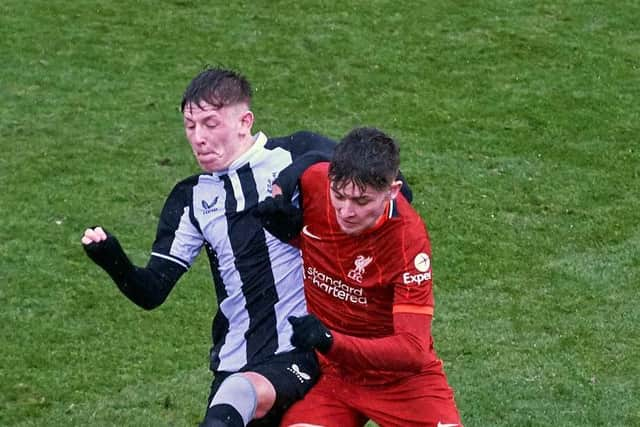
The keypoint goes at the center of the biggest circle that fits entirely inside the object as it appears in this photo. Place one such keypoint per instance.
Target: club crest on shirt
(361, 262)
(270, 182)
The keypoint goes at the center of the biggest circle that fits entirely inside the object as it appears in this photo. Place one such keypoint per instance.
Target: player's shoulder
(286, 140)
(316, 174)
(320, 168)
(185, 186)
(407, 237)
(181, 195)
(307, 135)
(298, 139)
(405, 209)
(405, 217)
(189, 182)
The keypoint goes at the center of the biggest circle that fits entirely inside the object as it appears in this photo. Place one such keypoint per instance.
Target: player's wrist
(109, 255)
(325, 341)
(279, 217)
(310, 333)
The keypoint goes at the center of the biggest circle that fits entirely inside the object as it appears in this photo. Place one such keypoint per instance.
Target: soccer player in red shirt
(369, 291)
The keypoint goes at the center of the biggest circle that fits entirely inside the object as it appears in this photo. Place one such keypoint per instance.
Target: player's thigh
(325, 405)
(292, 376)
(425, 400)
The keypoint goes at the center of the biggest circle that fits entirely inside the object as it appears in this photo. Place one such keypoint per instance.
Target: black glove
(109, 255)
(310, 333)
(279, 217)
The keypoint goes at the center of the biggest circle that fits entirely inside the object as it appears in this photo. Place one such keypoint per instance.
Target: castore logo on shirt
(209, 207)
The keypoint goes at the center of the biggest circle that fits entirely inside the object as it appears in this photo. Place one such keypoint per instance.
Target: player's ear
(395, 189)
(246, 119)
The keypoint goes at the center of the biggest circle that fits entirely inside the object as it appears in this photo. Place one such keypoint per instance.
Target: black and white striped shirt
(258, 279)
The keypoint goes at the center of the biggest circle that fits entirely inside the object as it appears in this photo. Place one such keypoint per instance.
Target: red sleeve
(405, 350)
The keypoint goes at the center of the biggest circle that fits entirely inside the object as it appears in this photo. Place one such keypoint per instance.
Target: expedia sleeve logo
(422, 263)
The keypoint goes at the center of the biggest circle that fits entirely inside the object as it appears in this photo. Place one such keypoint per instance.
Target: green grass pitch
(519, 124)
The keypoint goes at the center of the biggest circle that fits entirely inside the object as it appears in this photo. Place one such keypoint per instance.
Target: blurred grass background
(518, 122)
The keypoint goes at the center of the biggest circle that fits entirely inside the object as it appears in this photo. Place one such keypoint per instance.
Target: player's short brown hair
(217, 87)
(365, 156)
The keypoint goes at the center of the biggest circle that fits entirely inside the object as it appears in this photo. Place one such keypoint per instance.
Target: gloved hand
(310, 333)
(105, 250)
(279, 217)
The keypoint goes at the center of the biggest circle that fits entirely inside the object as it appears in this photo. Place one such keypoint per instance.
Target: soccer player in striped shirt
(258, 373)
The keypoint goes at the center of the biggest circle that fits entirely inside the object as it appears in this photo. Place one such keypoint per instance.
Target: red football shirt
(373, 290)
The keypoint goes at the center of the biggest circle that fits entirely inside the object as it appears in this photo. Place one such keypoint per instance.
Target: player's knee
(236, 394)
(265, 392)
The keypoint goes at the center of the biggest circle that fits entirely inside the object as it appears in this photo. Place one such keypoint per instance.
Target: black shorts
(292, 375)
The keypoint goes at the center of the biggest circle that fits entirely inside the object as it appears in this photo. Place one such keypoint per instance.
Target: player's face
(218, 136)
(357, 210)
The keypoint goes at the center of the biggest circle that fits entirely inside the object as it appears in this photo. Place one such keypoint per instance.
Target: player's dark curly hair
(217, 87)
(365, 156)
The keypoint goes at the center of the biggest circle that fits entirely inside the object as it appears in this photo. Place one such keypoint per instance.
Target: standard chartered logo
(335, 287)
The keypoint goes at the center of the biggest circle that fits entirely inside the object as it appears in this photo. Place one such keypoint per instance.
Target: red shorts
(423, 399)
